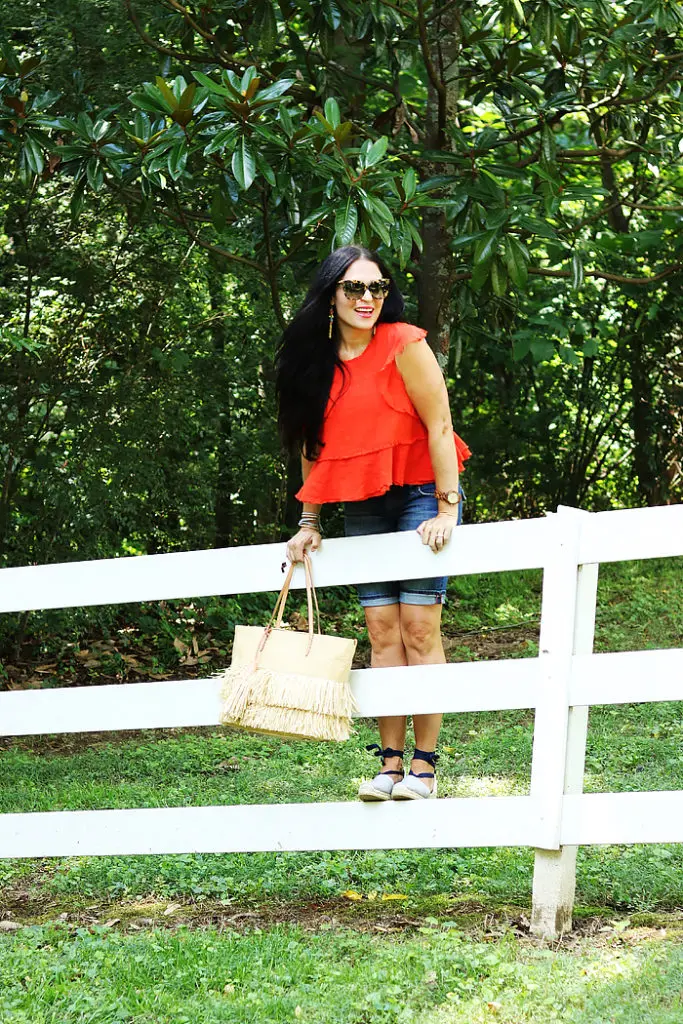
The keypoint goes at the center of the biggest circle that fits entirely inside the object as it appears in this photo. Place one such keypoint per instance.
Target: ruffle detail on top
(331, 479)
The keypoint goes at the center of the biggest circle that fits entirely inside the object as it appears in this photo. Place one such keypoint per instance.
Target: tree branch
(400, 10)
(605, 275)
(218, 250)
(438, 86)
(147, 39)
(272, 266)
(168, 51)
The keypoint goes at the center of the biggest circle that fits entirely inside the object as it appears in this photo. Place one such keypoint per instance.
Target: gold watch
(453, 497)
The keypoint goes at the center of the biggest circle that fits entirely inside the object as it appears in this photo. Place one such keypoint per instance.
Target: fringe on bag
(286, 704)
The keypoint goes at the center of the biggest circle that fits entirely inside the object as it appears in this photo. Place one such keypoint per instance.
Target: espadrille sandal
(411, 788)
(380, 788)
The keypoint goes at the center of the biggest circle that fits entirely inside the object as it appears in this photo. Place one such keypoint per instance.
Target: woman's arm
(306, 466)
(308, 537)
(427, 391)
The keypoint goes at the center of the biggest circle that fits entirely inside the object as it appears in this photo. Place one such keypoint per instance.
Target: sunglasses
(379, 289)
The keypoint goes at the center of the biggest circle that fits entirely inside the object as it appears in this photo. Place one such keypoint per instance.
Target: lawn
(353, 936)
(436, 974)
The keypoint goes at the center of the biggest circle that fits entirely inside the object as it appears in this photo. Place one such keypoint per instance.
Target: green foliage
(286, 973)
(170, 179)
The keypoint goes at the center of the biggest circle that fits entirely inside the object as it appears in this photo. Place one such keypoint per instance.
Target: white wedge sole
(412, 789)
(379, 788)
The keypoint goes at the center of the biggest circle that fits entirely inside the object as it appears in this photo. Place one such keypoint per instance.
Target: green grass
(316, 954)
(59, 975)
(487, 753)
(634, 747)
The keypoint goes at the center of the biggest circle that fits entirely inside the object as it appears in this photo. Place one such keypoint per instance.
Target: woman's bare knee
(384, 631)
(421, 632)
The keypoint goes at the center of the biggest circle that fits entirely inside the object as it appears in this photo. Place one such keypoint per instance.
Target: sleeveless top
(372, 434)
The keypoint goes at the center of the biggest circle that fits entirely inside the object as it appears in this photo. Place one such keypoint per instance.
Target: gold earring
(329, 333)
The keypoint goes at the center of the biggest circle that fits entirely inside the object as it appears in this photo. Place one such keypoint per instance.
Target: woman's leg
(388, 650)
(420, 626)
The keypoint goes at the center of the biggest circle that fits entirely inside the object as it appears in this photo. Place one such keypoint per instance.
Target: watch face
(452, 497)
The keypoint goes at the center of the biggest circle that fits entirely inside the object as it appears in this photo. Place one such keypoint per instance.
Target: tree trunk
(224, 510)
(440, 46)
(647, 462)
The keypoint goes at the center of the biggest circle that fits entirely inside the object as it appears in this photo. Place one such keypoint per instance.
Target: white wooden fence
(566, 677)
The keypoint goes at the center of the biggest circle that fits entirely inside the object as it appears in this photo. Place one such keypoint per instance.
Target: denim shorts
(400, 508)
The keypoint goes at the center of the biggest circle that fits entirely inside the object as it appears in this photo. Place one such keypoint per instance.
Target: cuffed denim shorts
(400, 508)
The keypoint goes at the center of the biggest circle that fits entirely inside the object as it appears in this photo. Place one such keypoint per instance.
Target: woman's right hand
(306, 538)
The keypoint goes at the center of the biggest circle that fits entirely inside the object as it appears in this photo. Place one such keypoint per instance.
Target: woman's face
(361, 307)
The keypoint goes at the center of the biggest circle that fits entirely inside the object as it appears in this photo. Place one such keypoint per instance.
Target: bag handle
(275, 620)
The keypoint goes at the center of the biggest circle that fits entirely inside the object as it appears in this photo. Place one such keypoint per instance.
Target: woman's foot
(420, 783)
(382, 786)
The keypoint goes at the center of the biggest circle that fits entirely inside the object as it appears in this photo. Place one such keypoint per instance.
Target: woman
(362, 396)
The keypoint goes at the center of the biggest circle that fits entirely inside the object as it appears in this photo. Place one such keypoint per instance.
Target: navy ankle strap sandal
(381, 787)
(431, 757)
(387, 752)
(412, 787)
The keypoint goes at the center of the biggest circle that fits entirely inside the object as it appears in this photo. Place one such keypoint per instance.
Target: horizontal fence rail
(558, 685)
(489, 547)
(588, 819)
(624, 678)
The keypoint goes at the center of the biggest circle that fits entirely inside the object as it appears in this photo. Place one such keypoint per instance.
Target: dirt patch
(486, 644)
(490, 644)
(478, 921)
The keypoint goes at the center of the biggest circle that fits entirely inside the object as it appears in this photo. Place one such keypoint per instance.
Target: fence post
(555, 870)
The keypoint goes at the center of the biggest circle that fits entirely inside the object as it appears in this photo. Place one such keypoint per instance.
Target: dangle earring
(329, 333)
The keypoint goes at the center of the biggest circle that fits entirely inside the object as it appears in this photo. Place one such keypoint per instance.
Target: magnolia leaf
(33, 155)
(243, 164)
(499, 277)
(167, 93)
(516, 261)
(480, 276)
(485, 247)
(376, 151)
(95, 174)
(247, 78)
(415, 232)
(332, 112)
(577, 277)
(185, 101)
(345, 224)
(274, 91)
(219, 90)
(266, 170)
(409, 183)
(177, 159)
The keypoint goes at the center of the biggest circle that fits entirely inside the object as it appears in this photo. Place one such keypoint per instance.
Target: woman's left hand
(436, 532)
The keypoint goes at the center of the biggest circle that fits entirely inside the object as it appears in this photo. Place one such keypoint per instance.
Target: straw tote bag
(283, 682)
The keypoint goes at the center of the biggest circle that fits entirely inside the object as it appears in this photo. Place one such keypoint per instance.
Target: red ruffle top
(372, 434)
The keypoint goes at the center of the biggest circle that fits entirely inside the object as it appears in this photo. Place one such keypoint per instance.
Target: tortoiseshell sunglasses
(379, 289)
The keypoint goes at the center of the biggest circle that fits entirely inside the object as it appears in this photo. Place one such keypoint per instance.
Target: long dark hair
(306, 356)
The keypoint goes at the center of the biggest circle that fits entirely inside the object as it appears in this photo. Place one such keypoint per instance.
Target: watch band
(443, 496)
